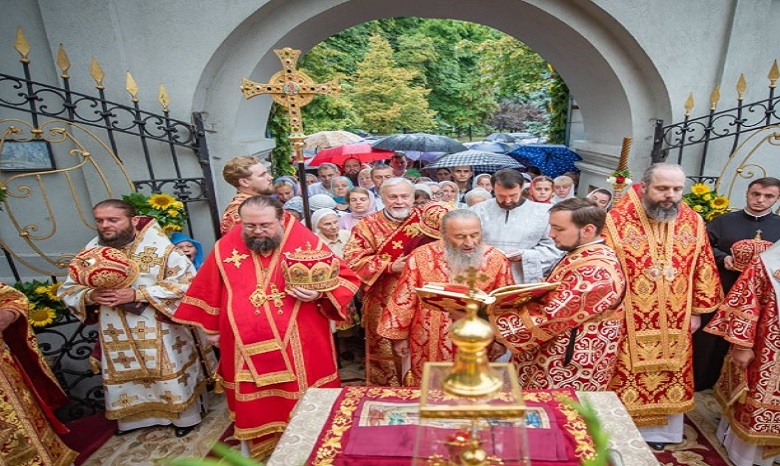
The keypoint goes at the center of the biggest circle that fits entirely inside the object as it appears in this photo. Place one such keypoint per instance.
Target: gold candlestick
(620, 178)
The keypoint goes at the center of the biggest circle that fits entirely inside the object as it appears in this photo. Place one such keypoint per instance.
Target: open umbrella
(424, 157)
(361, 151)
(326, 139)
(488, 146)
(552, 159)
(421, 142)
(500, 137)
(479, 161)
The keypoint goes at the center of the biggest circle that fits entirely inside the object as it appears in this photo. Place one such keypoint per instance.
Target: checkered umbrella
(479, 161)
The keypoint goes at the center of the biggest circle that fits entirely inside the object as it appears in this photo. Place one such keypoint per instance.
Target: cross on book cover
(452, 296)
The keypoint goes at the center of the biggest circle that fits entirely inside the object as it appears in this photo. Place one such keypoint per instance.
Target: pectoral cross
(259, 297)
(470, 277)
(292, 89)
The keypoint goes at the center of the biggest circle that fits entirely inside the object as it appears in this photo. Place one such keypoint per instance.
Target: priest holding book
(570, 336)
(421, 330)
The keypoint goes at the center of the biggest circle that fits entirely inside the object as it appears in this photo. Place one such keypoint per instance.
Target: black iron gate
(154, 144)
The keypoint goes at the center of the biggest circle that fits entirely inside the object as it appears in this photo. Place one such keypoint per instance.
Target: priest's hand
(213, 339)
(401, 347)
(305, 295)
(398, 265)
(695, 323)
(7, 318)
(113, 298)
(728, 263)
(496, 351)
(742, 356)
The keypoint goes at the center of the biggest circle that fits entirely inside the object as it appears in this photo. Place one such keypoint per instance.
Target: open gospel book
(451, 296)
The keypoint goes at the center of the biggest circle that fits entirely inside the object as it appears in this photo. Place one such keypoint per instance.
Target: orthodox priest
(250, 177)
(274, 338)
(418, 329)
(569, 338)
(154, 370)
(29, 393)
(749, 320)
(375, 251)
(672, 279)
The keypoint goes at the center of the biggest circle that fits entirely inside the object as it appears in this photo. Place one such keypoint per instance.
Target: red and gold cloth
(588, 299)
(671, 276)
(750, 318)
(273, 346)
(29, 394)
(407, 317)
(376, 242)
(334, 447)
(230, 217)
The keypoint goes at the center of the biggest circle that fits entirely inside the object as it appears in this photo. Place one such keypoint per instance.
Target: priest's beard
(655, 211)
(263, 245)
(459, 261)
(121, 238)
(398, 213)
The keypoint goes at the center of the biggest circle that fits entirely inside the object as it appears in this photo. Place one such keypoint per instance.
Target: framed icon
(26, 156)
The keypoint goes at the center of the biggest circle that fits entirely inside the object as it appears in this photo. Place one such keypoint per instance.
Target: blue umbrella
(479, 161)
(552, 159)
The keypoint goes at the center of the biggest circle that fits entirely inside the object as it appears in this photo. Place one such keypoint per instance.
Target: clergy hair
(237, 168)
(766, 182)
(262, 201)
(462, 214)
(647, 176)
(508, 178)
(583, 212)
(117, 204)
(396, 181)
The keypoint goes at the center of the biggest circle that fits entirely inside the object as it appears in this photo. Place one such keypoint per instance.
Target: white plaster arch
(618, 88)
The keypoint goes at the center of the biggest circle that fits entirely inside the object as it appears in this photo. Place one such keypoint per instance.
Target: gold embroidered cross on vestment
(235, 258)
(259, 297)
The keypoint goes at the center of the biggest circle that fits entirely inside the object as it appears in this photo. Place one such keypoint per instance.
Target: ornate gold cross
(235, 258)
(470, 277)
(260, 297)
(292, 89)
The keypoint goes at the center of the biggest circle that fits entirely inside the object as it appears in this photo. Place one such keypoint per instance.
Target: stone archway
(617, 86)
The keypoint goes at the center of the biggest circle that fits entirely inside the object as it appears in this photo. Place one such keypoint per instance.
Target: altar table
(312, 411)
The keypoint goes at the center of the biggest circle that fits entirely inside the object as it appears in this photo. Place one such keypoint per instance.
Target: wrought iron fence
(679, 139)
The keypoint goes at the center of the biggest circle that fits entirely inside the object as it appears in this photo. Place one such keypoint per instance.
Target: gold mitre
(102, 267)
(431, 215)
(745, 250)
(316, 270)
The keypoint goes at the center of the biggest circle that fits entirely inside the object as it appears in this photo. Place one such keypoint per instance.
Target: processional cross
(292, 89)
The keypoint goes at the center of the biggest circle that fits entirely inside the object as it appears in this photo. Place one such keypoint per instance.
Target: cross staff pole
(293, 89)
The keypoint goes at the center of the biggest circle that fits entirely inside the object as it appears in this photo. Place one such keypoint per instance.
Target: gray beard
(655, 212)
(263, 245)
(458, 262)
(397, 214)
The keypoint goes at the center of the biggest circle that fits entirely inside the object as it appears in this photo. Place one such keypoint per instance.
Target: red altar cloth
(345, 442)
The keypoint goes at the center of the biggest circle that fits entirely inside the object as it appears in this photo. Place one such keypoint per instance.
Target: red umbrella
(362, 151)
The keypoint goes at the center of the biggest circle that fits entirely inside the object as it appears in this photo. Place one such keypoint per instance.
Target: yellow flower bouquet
(44, 308)
(706, 202)
(166, 209)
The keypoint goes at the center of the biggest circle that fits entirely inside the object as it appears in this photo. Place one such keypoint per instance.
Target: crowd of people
(635, 279)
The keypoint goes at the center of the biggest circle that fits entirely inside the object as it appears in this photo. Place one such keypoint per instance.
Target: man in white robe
(154, 371)
(518, 227)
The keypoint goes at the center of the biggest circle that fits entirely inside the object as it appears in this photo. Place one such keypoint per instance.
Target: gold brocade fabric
(407, 317)
(230, 216)
(671, 276)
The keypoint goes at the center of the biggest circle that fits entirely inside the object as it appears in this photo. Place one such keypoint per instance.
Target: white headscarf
(318, 215)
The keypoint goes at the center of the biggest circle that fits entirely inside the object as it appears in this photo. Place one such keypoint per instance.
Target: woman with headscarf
(361, 204)
(364, 179)
(285, 188)
(483, 181)
(189, 247)
(542, 189)
(325, 223)
(602, 197)
(450, 193)
(339, 189)
(563, 188)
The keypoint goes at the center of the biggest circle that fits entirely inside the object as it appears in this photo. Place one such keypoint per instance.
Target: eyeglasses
(264, 227)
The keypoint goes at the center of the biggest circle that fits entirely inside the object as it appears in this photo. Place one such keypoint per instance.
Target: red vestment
(589, 300)
(407, 317)
(750, 318)
(671, 275)
(230, 217)
(273, 347)
(376, 243)
(29, 394)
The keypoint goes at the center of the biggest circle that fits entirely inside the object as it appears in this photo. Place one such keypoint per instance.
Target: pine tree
(383, 96)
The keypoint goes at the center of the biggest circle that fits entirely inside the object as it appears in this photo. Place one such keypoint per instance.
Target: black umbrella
(421, 142)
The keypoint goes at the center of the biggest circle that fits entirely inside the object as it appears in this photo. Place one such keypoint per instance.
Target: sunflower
(700, 188)
(698, 208)
(41, 289)
(40, 316)
(161, 201)
(51, 291)
(168, 229)
(173, 213)
(720, 203)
